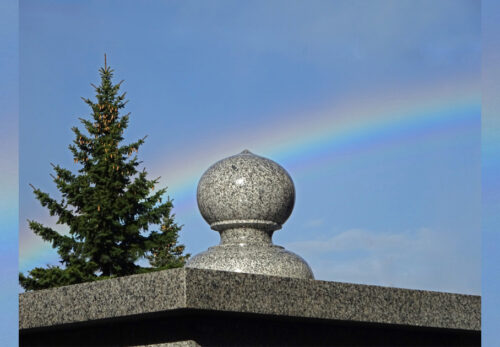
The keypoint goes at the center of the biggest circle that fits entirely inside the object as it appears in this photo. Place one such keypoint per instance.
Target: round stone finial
(246, 190)
(246, 198)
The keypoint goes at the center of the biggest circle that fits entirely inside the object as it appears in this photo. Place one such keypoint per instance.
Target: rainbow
(9, 204)
(308, 138)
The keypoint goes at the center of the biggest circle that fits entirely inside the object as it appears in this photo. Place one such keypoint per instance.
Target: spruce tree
(109, 205)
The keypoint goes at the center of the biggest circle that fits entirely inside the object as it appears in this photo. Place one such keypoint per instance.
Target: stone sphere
(246, 190)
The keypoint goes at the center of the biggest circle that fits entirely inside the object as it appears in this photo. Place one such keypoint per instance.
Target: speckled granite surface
(246, 190)
(246, 198)
(170, 290)
(119, 297)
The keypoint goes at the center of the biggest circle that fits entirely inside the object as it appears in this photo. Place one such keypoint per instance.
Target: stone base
(259, 259)
(204, 307)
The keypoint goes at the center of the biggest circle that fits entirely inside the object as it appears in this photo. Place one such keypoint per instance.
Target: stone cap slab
(208, 290)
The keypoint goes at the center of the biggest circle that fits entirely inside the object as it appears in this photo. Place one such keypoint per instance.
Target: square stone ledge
(175, 290)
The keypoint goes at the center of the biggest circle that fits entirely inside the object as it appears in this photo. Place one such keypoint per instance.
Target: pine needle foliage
(109, 206)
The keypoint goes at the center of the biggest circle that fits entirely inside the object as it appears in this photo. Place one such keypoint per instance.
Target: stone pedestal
(246, 198)
(190, 307)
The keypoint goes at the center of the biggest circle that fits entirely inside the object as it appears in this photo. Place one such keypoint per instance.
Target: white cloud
(314, 223)
(420, 259)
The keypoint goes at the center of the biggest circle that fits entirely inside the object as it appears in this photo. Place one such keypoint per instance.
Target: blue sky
(205, 71)
(9, 173)
(392, 199)
(206, 80)
(490, 172)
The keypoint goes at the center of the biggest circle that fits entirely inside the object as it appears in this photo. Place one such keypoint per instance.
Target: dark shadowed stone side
(205, 307)
(189, 343)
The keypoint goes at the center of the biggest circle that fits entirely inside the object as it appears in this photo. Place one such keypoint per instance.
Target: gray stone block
(208, 290)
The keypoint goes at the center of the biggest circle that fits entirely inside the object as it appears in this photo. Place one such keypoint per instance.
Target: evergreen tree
(109, 206)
